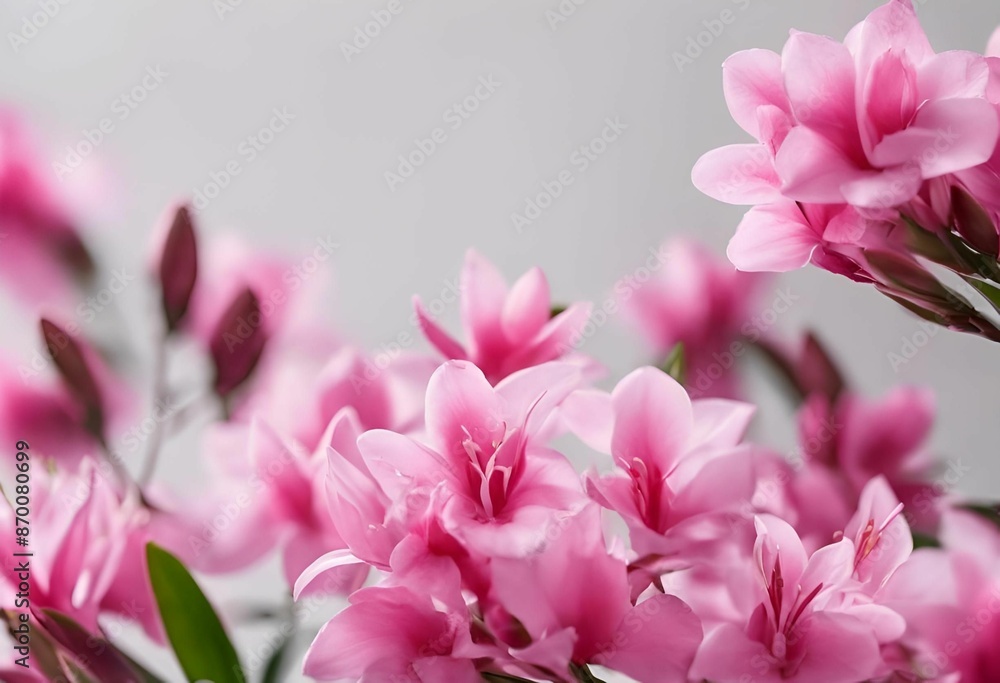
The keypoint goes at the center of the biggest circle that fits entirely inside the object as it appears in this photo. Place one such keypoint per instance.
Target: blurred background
(500, 95)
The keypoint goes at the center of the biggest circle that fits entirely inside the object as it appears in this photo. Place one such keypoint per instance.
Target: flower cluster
(491, 506)
(875, 158)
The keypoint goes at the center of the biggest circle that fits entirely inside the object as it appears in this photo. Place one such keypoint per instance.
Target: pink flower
(483, 463)
(950, 598)
(273, 496)
(393, 633)
(79, 530)
(860, 439)
(863, 122)
(797, 631)
(572, 601)
(680, 470)
(507, 329)
(700, 302)
(40, 248)
(357, 504)
(848, 135)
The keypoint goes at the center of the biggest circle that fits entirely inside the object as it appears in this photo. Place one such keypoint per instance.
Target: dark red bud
(178, 267)
(72, 364)
(237, 342)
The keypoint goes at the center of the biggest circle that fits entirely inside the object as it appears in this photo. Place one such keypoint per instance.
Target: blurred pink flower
(268, 492)
(859, 439)
(703, 303)
(40, 247)
(507, 329)
(79, 530)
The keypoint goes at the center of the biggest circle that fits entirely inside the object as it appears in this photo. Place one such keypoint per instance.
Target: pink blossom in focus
(680, 470)
(796, 632)
(393, 633)
(858, 126)
(507, 329)
(572, 600)
(497, 484)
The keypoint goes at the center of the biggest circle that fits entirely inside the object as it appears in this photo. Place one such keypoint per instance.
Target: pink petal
(399, 463)
(956, 73)
(538, 390)
(890, 98)
(436, 335)
(721, 484)
(737, 174)
(885, 189)
(462, 406)
(728, 654)
(819, 77)
(993, 46)
(484, 293)
(659, 638)
(831, 566)
(588, 413)
(333, 560)
(773, 238)
(813, 168)
(557, 338)
(752, 79)
(777, 539)
(431, 669)
(653, 419)
(893, 27)
(945, 136)
(720, 422)
(839, 648)
(528, 306)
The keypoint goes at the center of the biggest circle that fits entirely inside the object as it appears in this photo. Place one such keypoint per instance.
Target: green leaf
(557, 309)
(674, 365)
(193, 628)
(989, 291)
(276, 665)
(924, 541)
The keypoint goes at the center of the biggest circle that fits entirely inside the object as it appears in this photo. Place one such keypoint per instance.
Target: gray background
(324, 175)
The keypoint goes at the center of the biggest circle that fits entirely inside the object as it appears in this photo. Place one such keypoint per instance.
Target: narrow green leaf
(924, 541)
(276, 665)
(199, 641)
(989, 291)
